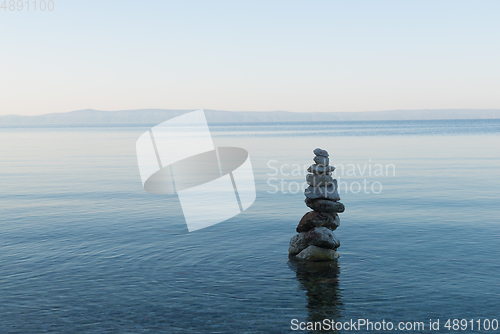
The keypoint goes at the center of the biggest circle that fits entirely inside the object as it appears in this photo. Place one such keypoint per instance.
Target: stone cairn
(315, 240)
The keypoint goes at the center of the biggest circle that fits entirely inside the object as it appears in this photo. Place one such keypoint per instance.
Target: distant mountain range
(154, 116)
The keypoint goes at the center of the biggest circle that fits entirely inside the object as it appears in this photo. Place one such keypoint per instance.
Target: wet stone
(314, 253)
(297, 244)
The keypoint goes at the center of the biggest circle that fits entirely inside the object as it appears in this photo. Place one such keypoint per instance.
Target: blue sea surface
(84, 249)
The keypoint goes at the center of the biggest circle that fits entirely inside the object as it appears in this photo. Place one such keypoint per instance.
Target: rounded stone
(314, 219)
(324, 205)
(321, 161)
(297, 244)
(322, 237)
(319, 180)
(314, 253)
(321, 152)
(326, 192)
(320, 170)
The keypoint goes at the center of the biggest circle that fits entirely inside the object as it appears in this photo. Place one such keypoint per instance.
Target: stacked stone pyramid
(315, 240)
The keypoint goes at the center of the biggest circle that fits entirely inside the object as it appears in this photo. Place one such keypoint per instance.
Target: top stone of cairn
(321, 153)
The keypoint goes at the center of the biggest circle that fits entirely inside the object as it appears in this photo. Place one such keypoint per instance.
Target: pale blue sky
(255, 55)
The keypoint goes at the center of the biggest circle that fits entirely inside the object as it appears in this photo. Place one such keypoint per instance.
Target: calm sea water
(84, 249)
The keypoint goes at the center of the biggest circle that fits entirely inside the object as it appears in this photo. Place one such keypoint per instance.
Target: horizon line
(264, 111)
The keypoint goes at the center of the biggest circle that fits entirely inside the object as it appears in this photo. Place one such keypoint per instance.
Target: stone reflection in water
(320, 281)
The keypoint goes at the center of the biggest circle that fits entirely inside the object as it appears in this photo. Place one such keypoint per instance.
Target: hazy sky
(253, 55)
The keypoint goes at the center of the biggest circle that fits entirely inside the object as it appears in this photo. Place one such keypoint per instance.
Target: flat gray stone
(314, 253)
(324, 205)
(321, 152)
(297, 244)
(322, 237)
(321, 170)
(318, 180)
(325, 192)
(321, 161)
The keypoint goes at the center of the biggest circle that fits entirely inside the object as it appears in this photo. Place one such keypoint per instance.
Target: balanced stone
(322, 237)
(314, 253)
(297, 244)
(324, 205)
(336, 220)
(321, 170)
(318, 180)
(321, 161)
(314, 219)
(326, 192)
(321, 152)
(315, 240)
